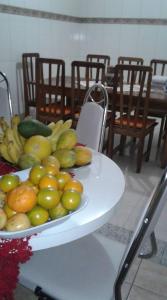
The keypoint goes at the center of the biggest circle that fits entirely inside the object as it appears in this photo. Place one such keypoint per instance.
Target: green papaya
(30, 127)
(65, 157)
(67, 139)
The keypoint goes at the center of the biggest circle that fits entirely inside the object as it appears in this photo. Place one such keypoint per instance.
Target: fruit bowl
(23, 175)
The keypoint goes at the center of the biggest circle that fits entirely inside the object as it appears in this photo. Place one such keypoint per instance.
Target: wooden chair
(81, 81)
(95, 266)
(159, 67)
(50, 90)
(99, 58)
(130, 108)
(128, 60)
(29, 80)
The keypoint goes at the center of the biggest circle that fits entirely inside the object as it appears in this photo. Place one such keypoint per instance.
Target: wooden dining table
(158, 102)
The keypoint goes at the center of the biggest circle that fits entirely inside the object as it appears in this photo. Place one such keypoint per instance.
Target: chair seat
(81, 270)
(133, 123)
(54, 108)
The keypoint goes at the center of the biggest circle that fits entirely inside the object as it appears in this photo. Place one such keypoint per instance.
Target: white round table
(103, 186)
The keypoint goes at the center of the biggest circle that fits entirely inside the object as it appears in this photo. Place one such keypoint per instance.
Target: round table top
(103, 187)
(103, 183)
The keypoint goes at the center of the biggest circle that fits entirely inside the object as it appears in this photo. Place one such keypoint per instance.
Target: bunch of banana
(57, 129)
(11, 143)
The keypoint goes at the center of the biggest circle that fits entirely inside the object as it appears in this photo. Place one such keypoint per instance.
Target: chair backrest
(29, 79)
(100, 58)
(50, 89)
(81, 80)
(128, 60)
(159, 66)
(143, 230)
(91, 124)
(131, 100)
(5, 95)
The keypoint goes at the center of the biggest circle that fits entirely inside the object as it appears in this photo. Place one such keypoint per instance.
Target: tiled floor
(147, 279)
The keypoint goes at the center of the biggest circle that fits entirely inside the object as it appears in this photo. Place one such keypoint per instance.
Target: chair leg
(122, 144)
(161, 132)
(140, 155)
(149, 145)
(110, 143)
(163, 157)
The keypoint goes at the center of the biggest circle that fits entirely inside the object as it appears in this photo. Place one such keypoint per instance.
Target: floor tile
(141, 294)
(133, 271)
(115, 232)
(152, 277)
(125, 290)
(164, 256)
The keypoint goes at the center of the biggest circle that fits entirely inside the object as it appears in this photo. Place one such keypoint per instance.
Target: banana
(15, 120)
(13, 152)
(22, 139)
(11, 143)
(9, 137)
(3, 124)
(65, 126)
(56, 128)
(4, 152)
(17, 136)
(51, 125)
(1, 137)
(14, 125)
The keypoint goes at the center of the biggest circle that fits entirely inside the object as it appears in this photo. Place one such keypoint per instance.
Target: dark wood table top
(158, 98)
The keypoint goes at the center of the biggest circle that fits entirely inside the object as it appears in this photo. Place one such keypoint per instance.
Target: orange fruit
(21, 199)
(48, 181)
(38, 145)
(36, 173)
(62, 178)
(9, 182)
(71, 200)
(26, 183)
(29, 183)
(58, 211)
(74, 185)
(48, 197)
(51, 160)
(51, 169)
(38, 215)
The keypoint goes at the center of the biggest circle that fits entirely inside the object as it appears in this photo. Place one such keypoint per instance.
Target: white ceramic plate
(36, 229)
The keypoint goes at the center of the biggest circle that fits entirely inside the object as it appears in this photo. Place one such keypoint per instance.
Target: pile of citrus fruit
(46, 195)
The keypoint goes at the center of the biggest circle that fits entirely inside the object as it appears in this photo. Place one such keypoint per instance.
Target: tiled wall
(124, 8)
(20, 34)
(74, 38)
(147, 37)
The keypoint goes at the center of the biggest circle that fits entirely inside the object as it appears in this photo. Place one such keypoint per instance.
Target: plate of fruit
(25, 143)
(38, 198)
